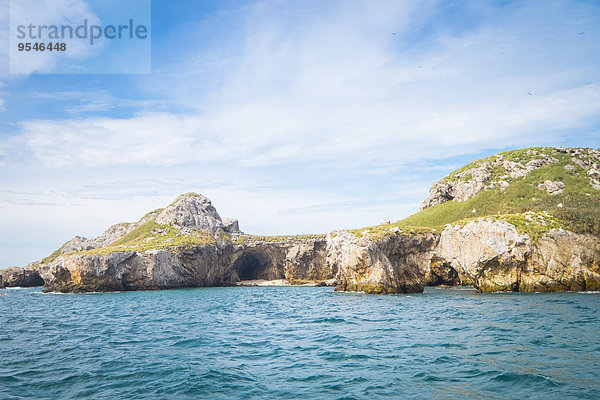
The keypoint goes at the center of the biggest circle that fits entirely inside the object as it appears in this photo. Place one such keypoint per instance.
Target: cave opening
(444, 274)
(249, 267)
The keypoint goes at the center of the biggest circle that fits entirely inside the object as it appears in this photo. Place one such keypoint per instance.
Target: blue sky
(293, 116)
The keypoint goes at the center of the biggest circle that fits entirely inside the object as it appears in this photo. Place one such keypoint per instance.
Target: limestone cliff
(527, 220)
(393, 264)
(190, 211)
(524, 220)
(224, 264)
(490, 255)
(20, 277)
(185, 245)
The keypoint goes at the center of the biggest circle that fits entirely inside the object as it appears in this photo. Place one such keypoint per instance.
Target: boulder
(231, 225)
(552, 187)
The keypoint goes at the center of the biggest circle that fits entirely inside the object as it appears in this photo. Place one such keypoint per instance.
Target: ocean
(298, 343)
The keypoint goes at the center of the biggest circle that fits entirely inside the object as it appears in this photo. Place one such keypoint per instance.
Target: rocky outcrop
(112, 234)
(231, 225)
(20, 277)
(497, 172)
(394, 264)
(188, 244)
(151, 270)
(190, 212)
(296, 260)
(466, 184)
(489, 254)
(194, 211)
(503, 260)
(109, 236)
(588, 160)
(552, 187)
(485, 252)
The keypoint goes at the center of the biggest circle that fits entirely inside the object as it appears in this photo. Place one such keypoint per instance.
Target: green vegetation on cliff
(153, 236)
(576, 212)
(52, 256)
(577, 208)
(247, 239)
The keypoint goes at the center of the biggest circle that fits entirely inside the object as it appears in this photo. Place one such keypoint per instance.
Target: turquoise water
(298, 342)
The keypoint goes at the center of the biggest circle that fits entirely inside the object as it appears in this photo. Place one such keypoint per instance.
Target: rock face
(20, 277)
(154, 269)
(194, 211)
(189, 245)
(199, 266)
(109, 236)
(497, 258)
(231, 225)
(468, 183)
(491, 255)
(472, 250)
(191, 211)
(394, 264)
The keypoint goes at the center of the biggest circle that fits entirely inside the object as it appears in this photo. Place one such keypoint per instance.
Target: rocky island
(524, 220)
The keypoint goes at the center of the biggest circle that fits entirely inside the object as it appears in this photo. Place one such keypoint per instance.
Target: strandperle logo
(80, 37)
(93, 33)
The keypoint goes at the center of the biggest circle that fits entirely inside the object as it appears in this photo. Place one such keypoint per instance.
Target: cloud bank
(300, 117)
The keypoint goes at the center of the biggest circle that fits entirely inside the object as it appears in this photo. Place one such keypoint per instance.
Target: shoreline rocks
(490, 255)
(20, 277)
(188, 244)
(199, 266)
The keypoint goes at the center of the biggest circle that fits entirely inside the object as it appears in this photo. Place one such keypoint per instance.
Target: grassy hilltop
(518, 199)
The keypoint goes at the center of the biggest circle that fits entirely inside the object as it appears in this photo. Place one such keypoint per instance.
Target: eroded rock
(393, 264)
(191, 211)
(20, 277)
(491, 255)
(209, 265)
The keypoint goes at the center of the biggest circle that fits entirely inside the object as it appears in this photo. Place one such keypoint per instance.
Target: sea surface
(298, 343)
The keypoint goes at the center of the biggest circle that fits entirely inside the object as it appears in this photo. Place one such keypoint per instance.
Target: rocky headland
(525, 220)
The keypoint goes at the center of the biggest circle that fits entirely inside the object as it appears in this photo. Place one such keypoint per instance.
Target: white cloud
(266, 133)
(48, 12)
(311, 121)
(339, 86)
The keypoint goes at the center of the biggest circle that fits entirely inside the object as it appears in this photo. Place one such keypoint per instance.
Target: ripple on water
(529, 382)
(290, 343)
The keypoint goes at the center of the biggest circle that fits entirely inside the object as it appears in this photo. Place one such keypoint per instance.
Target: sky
(292, 116)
